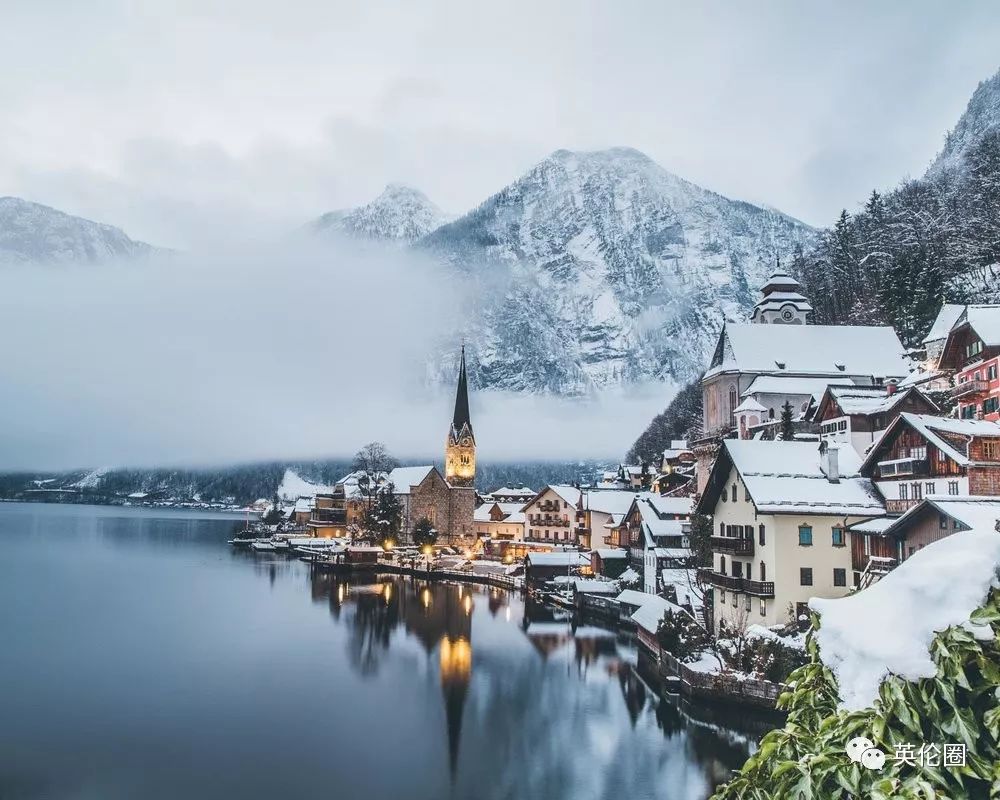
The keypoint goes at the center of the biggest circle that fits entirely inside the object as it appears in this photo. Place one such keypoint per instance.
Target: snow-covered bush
(681, 636)
(912, 661)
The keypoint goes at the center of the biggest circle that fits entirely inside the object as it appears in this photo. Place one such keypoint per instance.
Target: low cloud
(287, 351)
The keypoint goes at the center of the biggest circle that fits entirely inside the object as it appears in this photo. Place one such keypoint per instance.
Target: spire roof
(461, 417)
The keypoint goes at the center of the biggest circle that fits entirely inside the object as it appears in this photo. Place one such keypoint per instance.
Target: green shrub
(806, 759)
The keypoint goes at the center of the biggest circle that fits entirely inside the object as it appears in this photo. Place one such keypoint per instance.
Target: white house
(780, 512)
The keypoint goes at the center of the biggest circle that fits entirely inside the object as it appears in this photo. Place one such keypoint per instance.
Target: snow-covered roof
(650, 613)
(595, 586)
(608, 501)
(671, 552)
(749, 404)
(506, 491)
(611, 552)
(790, 385)
(985, 321)
(971, 511)
(663, 527)
(633, 597)
(936, 430)
(403, 478)
(570, 559)
(865, 400)
(515, 517)
(787, 478)
(682, 580)
(888, 628)
(876, 525)
(304, 504)
(565, 492)
(944, 321)
(811, 350)
(669, 505)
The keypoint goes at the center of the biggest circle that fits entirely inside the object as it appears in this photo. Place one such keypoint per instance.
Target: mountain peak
(400, 213)
(32, 232)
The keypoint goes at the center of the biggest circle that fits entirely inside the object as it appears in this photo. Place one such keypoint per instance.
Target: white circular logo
(857, 746)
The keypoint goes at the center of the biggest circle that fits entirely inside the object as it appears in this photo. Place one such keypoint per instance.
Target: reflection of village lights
(456, 658)
(507, 613)
(340, 593)
(461, 591)
(425, 597)
(467, 604)
(387, 592)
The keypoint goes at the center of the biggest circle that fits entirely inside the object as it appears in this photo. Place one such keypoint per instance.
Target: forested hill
(931, 240)
(242, 484)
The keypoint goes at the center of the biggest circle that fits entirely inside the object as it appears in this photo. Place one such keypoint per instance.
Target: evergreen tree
(787, 426)
(383, 518)
(424, 533)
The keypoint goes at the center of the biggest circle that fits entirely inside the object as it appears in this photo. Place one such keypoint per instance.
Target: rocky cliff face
(602, 268)
(981, 117)
(30, 232)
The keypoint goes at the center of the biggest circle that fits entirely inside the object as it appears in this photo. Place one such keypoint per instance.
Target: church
(447, 500)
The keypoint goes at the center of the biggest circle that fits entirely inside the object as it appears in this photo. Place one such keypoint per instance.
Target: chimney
(890, 388)
(829, 461)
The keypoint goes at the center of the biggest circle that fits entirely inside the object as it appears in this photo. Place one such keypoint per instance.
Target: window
(749, 570)
(904, 491)
(805, 535)
(991, 447)
(839, 576)
(746, 494)
(929, 487)
(973, 349)
(806, 576)
(737, 569)
(722, 564)
(763, 571)
(734, 492)
(918, 491)
(732, 399)
(722, 595)
(722, 529)
(991, 372)
(763, 608)
(952, 487)
(942, 523)
(760, 534)
(838, 537)
(747, 602)
(735, 598)
(990, 405)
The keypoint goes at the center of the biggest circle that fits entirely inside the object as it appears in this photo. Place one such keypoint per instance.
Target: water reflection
(442, 618)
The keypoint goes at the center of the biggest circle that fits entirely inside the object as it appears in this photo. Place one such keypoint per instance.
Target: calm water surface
(141, 658)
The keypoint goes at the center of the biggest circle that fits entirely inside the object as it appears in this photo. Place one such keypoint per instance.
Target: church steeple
(460, 448)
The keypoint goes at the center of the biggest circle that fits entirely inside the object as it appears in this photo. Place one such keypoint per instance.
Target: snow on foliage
(887, 629)
(293, 486)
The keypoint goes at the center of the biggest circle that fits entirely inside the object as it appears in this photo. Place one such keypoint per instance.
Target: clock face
(466, 442)
(787, 314)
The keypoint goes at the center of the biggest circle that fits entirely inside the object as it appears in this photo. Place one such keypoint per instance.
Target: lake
(141, 657)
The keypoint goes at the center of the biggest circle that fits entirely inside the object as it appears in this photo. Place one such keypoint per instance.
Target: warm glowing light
(388, 544)
(340, 593)
(508, 559)
(425, 597)
(426, 550)
(467, 604)
(456, 658)
(387, 592)
(507, 613)
(468, 553)
(461, 591)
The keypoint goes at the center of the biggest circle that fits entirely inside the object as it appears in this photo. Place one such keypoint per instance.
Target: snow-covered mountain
(30, 232)
(399, 214)
(981, 116)
(597, 269)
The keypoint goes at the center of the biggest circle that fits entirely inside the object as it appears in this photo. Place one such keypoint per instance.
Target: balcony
(904, 466)
(970, 388)
(900, 506)
(548, 522)
(732, 546)
(735, 584)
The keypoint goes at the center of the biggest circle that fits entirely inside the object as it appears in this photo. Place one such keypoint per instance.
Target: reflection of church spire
(456, 667)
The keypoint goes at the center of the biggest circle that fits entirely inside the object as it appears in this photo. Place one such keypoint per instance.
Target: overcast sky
(190, 121)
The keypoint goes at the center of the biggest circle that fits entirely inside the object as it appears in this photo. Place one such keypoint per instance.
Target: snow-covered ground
(888, 628)
(294, 486)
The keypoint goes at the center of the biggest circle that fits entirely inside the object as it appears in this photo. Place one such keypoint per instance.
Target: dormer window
(841, 367)
(780, 364)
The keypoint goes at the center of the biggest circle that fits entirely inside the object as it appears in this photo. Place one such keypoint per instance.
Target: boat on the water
(263, 546)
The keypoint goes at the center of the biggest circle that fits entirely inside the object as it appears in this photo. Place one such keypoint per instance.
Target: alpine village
(829, 455)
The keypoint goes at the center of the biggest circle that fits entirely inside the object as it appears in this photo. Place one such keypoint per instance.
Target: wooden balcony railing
(904, 466)
(732, 546)
(970, 387)
(736, 584)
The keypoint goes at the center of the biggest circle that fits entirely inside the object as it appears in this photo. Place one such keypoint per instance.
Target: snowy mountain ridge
(31, 232)
(602, 268)
(980, 117)
(399, 214)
